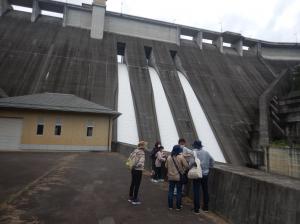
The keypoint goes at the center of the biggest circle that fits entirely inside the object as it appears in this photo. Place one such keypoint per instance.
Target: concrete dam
(79, 53)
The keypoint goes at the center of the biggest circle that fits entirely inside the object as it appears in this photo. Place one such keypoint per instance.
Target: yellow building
(54, 121)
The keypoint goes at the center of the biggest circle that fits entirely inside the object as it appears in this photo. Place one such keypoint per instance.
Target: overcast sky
(272, 20)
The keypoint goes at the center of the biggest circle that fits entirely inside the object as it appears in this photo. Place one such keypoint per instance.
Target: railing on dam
(246, 196)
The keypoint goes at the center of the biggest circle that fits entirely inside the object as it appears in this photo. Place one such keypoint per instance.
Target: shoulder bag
(183, 177)
(196, 171)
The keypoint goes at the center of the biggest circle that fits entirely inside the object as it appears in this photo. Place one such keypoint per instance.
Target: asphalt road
(81, 188)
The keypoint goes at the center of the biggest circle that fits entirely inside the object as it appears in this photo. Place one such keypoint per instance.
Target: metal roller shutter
(10, 133)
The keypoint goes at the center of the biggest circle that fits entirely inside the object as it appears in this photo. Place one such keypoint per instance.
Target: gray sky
(272, 20)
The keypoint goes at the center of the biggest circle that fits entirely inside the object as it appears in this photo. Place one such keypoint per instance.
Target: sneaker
(178, 209)
(205, 210)
(197, 212)
(170, 209)
(161, 180)
(154, 181)
(136, 202)
(130, 199)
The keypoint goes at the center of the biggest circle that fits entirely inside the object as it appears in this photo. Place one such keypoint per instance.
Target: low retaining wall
(245, 196)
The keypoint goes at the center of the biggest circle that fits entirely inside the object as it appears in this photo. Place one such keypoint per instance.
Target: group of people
(178, 164)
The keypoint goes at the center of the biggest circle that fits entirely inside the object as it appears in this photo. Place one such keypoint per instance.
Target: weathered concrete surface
(12, 182)
(46, 57)
(248, 196)
(81, 188)
(284, 161)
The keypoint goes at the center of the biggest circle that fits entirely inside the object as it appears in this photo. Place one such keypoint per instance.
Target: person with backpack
(137, 163)
(159, 160)
(176, 166)
(206, 162)
(153, 159)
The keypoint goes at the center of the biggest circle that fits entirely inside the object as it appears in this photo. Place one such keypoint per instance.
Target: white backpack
(196, 171)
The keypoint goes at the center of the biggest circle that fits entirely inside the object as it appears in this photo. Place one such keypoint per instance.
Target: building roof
(55, 102)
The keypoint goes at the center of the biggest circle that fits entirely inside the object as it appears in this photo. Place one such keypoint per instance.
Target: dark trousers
(172, 185)
(203, 182)
(153, 169)
(157, 173)
(136, 178)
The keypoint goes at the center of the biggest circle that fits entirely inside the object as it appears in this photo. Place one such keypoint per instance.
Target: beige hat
(142, 144)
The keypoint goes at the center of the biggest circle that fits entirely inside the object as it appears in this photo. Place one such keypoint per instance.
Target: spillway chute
(127, 126)
(167, 128)
(201, 123)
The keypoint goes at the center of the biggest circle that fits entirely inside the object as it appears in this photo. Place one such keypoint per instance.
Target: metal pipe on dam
(166, 124)
(201, 123)
(127, 127)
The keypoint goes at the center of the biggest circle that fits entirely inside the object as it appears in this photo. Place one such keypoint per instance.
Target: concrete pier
(238, 46)
(218, 42)
(199, 40)
(98, 16)
(36, 11)
(4, 7)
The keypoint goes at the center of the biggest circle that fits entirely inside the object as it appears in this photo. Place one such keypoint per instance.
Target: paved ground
(81, 188)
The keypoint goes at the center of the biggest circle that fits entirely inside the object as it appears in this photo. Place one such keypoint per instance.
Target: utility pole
(122, 7)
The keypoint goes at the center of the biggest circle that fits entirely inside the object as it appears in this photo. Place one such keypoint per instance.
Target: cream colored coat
(173, 174)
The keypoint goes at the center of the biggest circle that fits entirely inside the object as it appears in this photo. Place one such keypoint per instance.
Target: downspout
(109, 135)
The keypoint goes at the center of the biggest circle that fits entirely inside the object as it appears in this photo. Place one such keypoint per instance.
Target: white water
(127, 127)
(167, 129)
(201, 123)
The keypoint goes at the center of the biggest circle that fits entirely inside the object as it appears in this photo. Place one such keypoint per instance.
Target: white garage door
(10, 133)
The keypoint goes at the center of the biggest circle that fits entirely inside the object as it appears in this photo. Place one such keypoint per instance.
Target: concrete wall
(78, 18)
(73, 131)
(284, 161)
(247, 196)
(273, 53)
(140, 29)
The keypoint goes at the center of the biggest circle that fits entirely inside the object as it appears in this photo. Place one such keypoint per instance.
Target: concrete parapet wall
(273, 53)
(141, 29)
(285, 161)
(248, 196)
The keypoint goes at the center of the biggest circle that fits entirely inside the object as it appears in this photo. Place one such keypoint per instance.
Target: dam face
(44, 56)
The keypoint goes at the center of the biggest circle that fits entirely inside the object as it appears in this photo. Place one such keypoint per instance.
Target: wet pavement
(82, 188)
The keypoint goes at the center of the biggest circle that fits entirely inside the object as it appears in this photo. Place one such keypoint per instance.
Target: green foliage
(279, 143)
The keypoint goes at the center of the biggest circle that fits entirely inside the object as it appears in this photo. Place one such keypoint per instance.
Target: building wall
(285, 161)
(73, 131)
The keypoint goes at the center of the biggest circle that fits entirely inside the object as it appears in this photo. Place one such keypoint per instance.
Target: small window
(173, 54)
(89, 131)
(57, 130)
(40, 129)
(121, 52)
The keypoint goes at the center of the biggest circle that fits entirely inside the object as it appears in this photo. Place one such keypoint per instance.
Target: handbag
(182, 176)
(196, 171)
(130, 162)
